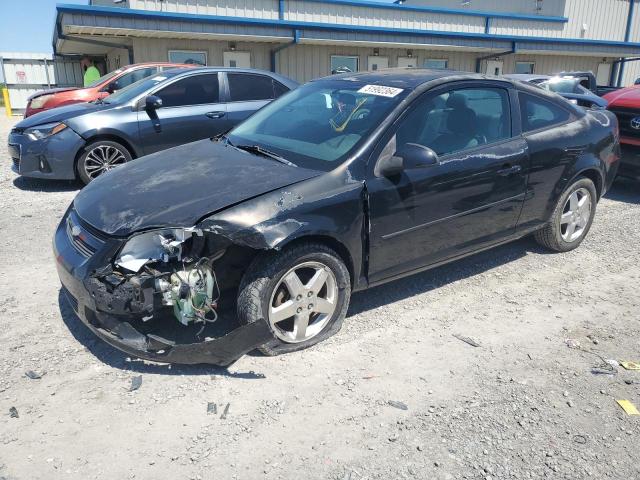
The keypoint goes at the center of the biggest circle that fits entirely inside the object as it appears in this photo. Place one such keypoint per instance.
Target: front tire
(303, 292)
(101, 156)
(572, 217)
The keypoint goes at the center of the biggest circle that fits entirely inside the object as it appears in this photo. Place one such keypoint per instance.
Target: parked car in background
(174, 107)
(588, 80)
(567, 87)
(101, 88)
(625, 104)
(345, 183)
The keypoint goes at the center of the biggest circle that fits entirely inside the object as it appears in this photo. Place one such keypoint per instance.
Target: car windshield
(319, 124)
(104, 78)
(137, 88)
(561, 85)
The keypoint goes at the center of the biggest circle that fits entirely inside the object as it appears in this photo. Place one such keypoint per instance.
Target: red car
(625, 104)
(103, 87)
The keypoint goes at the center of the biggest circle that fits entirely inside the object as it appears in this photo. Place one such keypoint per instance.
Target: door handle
(215, 114)
(507, 170)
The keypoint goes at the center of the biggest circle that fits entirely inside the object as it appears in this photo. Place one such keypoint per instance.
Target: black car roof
(406, 77)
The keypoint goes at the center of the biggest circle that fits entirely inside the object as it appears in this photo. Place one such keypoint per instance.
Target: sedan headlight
(39, 102)
(44, 131)
(157, 245)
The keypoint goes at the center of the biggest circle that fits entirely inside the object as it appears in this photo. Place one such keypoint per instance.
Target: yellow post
(7, 103)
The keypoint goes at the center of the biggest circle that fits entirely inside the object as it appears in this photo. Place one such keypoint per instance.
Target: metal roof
(110, 21)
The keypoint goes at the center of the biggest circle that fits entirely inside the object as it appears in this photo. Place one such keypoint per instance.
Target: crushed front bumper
(75, 265)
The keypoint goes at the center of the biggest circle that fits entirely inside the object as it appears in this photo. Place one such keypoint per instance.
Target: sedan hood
(179, 186)
(626, 97)
(61, 114)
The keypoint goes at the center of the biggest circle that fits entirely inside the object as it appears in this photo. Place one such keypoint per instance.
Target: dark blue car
(174, 107)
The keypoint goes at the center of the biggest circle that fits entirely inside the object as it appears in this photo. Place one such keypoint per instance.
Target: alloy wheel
(575, 215)
(102, 158)
(303, 302)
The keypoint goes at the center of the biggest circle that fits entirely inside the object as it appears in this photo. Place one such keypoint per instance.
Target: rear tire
(302, 292)
(100, 156)
(572, 217)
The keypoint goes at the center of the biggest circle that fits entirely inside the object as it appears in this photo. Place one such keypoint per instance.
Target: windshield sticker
(159, 78)
(345, 113)
(380, 90)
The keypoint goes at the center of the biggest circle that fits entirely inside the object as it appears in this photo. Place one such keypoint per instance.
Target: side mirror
(409, 156)
(151, 102)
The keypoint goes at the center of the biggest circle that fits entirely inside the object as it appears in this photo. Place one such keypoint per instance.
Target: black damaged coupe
(257, 238)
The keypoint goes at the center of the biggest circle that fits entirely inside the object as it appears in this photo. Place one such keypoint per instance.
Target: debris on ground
(136, 383)
(468, 340)
(225, 412)
(630, 365)
(628, 407)
(581, 439)
(212, 408)
(400, 405)
(572, 343)
(34, 375)
(13, 412)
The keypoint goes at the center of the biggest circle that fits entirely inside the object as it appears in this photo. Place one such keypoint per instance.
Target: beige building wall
(157, 50)
(304, 62)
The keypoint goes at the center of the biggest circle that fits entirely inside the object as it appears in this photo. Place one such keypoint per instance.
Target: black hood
(179, 186)
(60, 114)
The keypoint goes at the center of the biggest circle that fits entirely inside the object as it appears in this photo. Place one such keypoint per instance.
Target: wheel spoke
(318, 280)
(300, 325)
(284, 311)
(571, 228)
(573, 202)
(582, 203)
(583, 219)
(322, 305)
(565, 218)
(293, 283)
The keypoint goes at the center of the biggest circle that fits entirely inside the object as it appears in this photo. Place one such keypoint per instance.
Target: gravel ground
(394, 395)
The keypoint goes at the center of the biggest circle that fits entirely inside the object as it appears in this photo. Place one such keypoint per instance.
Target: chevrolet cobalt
(344, 183)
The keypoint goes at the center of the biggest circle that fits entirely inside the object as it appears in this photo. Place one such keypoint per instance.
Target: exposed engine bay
(162, 268)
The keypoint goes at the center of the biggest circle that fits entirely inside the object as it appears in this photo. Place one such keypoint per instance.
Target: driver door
(191, 110)
(470, 198)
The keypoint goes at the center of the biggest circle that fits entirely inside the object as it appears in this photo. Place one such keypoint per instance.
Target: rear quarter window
(537, 113)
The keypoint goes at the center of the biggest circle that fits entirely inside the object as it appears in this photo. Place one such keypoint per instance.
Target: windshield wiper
(258, 150)
(222, 136)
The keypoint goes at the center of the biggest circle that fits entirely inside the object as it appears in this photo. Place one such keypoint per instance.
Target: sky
(27, 25)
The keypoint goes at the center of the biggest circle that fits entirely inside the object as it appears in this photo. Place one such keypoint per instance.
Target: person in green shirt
(91, 73)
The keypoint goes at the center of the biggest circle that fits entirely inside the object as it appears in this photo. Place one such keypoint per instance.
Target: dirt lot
(535, 400)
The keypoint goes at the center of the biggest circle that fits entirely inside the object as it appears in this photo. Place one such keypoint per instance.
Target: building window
(344, 64)
(437, 63)
(189, 57)
(525, 67)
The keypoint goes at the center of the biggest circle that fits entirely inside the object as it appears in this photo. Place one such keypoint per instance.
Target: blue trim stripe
(186, 17)
(445, 11)
(281, 9)
(627, 33)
